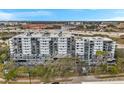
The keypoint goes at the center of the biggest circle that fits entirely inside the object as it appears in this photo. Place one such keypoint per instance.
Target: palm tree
(101, 56)
(10, 70)
(10, 75)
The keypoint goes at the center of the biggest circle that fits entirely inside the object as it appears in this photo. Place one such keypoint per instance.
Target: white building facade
(37, 47)
(87, 47)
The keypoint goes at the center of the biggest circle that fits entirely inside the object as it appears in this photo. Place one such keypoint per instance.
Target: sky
(61, 14)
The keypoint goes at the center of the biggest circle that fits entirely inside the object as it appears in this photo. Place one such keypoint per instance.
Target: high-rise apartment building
(38, 47)
(87, 47)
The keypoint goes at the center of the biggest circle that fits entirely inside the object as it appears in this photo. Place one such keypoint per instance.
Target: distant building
(75, 23)
(35, 48)
(12, 23)
(34, 26)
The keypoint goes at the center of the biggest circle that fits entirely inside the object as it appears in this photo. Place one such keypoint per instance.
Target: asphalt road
(79, 80)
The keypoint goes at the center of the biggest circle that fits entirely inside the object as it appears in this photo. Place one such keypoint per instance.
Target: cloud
(34, 13)
(121, 11)
(37, 14)
(6, 16)
(20, 15)
(114, 19)
(75, 10)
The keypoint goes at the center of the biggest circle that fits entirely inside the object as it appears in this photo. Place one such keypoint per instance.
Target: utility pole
(29, 77)
(78, 66)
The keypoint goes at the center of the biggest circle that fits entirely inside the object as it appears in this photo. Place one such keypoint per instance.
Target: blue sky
(62, 14)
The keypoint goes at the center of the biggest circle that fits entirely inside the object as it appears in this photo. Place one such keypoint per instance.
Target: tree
(10, 75)
(112, 26)
(101, 69)
(101, 56)
(1, 70)
(113, 70)
(47, 76)
(101, 53)
(91, 26)
(120, 64)
(119, 55)
(22, 69)
(10, 71)
(80, 27)
(3, 54)
(3, 57)
(9, 65)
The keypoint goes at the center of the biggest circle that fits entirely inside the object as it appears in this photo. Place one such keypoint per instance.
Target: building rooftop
(95, 38)
(60, 34)
(42, 34)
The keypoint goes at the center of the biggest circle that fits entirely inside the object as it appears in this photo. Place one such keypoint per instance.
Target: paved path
(78, 80)
(104, 82)
(94, 79)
